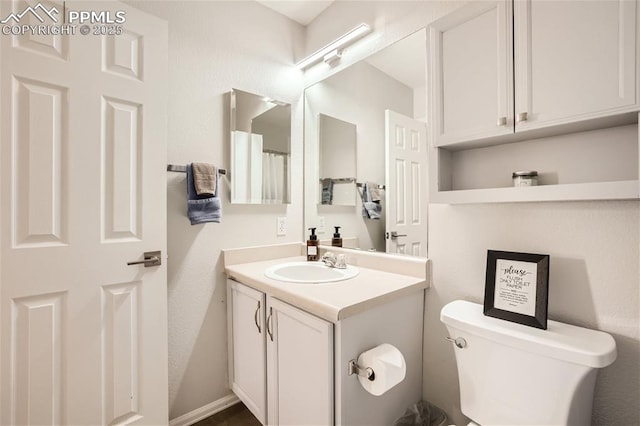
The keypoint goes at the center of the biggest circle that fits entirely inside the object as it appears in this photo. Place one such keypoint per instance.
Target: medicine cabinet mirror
(337, 159)
(358, 97)
(260, 149)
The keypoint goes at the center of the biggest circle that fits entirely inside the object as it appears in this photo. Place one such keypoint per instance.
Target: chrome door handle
(151, 258)
(395, 235)
(255, 318)
(502, 121)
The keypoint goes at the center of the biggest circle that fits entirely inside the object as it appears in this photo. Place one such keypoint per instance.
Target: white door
(247, 345)
(83, 336)
(406, 184)
(300, 367)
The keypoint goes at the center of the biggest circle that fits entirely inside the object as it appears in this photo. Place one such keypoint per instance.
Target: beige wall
(214, 47)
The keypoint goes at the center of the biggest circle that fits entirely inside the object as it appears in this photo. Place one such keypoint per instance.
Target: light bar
(342, 41)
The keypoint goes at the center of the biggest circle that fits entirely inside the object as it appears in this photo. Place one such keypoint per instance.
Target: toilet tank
(511, 374)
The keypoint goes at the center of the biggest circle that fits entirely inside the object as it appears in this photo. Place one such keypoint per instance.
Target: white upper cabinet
(471, 73)
(574, 60)
(501, 68)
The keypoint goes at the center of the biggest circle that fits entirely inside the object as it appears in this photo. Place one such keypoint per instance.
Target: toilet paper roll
(388, 366)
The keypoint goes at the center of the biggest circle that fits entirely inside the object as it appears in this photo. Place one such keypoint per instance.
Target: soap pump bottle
(336, 241)
(312, 245)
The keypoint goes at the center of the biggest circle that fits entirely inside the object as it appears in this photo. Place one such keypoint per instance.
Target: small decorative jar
(525, 178)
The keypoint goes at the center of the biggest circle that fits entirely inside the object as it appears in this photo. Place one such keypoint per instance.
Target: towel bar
(340, 180)
(183, 169)
(360, 185)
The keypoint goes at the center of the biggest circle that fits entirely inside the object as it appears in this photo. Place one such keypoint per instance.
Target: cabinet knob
(522, 116)
(502, 121)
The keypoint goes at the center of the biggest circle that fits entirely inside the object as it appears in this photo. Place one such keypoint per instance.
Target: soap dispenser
(336, 241)
(312, 245)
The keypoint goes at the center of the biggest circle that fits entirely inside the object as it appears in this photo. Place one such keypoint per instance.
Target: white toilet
(511, 374)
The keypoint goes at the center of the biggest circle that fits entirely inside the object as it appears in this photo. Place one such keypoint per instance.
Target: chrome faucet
(333, 261)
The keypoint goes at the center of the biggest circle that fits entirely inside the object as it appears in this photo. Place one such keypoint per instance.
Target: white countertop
(330, 301)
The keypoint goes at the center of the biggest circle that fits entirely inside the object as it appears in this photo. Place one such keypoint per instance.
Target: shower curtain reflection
(275, 169)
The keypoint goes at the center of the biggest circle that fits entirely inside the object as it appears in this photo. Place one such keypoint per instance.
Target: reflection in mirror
(260, 149)
(392, 80)
(337, 157)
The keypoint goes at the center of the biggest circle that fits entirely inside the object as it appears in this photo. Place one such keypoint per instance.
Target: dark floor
(236, 415)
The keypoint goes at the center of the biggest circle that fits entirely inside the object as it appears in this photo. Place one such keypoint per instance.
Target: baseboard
(203, 412)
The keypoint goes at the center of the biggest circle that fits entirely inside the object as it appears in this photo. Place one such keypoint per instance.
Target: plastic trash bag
(422, 413)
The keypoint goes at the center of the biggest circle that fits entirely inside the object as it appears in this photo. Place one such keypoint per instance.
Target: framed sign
(517, 287)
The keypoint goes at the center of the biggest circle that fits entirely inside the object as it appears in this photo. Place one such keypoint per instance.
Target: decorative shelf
(620, 190)
(601, 164)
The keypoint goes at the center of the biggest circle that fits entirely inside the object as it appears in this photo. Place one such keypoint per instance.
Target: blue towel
(327, 190)
(370, 209)
(202, 208)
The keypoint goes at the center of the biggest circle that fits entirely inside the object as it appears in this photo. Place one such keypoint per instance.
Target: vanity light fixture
(333, 50)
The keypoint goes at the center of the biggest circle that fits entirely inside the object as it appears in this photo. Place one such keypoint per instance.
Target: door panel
(574, 60)
(247, 371)
(471, 71)
(300, 357)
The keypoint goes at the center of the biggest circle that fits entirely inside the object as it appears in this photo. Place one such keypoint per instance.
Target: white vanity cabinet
(299, 367)
(280, 359)
(471, 73)
(503, 67)
(247, 347)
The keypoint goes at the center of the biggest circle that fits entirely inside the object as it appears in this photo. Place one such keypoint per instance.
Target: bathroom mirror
(260, 149)
(337, 161)
(392, 79)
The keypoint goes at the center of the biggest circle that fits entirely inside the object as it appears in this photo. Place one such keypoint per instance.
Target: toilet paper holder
(366, 372)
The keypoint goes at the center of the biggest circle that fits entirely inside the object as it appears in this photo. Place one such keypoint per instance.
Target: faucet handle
(329, 259)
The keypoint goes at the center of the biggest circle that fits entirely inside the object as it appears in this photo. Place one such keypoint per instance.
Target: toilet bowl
(518, 375)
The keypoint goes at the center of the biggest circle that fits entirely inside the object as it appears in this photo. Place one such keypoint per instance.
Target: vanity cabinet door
(573, 61)
(247, 346)
(300, 367)
(471, 72)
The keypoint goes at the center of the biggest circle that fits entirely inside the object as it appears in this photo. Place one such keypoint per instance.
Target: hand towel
(202, 208)
(205, 178)
(370, 209)
(327, 191)
(374, 190)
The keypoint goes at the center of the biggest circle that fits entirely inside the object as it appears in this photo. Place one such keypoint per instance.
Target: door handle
(255, 318)
(269, 331)
(151, 258)
(395, 235)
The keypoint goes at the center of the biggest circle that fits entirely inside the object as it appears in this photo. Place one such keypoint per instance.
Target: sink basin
(309, 272)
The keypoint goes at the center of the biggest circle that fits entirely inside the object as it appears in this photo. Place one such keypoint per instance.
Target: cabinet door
(300, 367)
(247, 350)
(471, 73)
(573, 60)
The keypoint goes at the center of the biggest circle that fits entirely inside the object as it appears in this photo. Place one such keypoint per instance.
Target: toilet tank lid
(567, 342)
